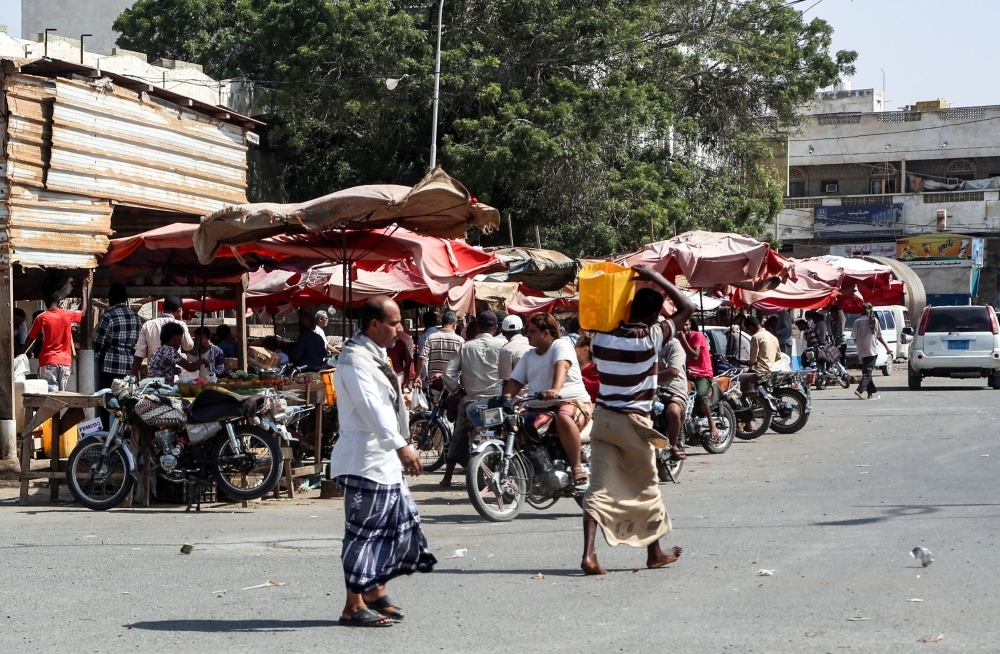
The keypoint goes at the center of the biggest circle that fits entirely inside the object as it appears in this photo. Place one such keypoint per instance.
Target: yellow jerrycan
(606, 292)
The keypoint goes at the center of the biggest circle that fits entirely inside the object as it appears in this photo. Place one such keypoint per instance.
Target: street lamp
(437, 89)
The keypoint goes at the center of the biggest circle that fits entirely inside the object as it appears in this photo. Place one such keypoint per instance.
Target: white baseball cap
(512, 324)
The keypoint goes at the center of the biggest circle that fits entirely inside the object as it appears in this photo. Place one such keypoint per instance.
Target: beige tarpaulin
(438, 206)
(497, 294)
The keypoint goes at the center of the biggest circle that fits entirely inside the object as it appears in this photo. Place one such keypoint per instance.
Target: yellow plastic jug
(606, 292)
(67, 440)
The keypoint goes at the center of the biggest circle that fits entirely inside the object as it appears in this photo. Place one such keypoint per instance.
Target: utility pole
(437, 89)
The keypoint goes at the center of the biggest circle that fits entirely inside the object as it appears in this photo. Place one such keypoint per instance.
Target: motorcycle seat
(214, 404)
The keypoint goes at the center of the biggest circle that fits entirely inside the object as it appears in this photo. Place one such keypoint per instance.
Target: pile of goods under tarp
(245, 383)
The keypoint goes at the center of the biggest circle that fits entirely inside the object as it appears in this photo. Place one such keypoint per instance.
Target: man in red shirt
(56, 328)
(699, 370)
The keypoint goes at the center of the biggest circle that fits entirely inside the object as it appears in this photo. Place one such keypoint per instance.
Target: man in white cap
(517, 345)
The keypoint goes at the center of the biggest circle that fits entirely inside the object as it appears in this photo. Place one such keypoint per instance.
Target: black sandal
(366, 618)
(385, 607)
(678, 455)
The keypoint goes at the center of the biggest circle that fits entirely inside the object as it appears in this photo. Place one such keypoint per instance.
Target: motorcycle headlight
(491, 417)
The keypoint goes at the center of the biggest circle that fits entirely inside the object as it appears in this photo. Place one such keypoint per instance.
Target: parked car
(902, 319)
(956, 342)
(887, 321)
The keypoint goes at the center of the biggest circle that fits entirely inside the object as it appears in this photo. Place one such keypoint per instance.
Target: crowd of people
(123, 342)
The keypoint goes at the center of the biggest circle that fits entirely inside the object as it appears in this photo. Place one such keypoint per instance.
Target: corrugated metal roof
(73, 148)
(107, 145)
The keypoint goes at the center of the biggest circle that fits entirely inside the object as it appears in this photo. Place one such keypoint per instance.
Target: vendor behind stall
(310, 348)
(226, 340)
(167, 357)
(209, 352)
(149, 335)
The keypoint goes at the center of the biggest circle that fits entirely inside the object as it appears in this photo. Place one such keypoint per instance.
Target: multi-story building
(860, 177)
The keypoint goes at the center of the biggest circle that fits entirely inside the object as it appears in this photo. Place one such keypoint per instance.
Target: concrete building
(859, 178)
(72, 18)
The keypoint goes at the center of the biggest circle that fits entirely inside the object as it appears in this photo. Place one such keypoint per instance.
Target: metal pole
(343, 293)
(538, 237)
(81, 45)
(437, 89)
(510, 229)
(47, 30)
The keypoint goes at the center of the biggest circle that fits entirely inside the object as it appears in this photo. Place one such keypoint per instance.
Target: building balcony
(968, 212)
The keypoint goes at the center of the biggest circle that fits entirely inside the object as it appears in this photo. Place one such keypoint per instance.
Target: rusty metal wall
(108, 145)
(72, 149)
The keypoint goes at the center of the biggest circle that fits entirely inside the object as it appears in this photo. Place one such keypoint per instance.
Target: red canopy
(858, 280)
(801, 293)
(709, 259)
(324, 285)
(440, 264)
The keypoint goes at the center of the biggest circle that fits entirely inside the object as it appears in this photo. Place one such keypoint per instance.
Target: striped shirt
(627, 362)
(439, 349)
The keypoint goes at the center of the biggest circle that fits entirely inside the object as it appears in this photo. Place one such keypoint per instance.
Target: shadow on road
(230, 626)
(891, 512)
(476, 519)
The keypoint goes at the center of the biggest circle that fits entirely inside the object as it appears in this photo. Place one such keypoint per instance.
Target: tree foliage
(592, 119)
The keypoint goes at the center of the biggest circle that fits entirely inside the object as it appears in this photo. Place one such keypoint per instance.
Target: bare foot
(664, 557)
(446, 482)
(592, 567)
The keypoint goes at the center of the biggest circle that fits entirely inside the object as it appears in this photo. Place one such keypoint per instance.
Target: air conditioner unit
(831, 188)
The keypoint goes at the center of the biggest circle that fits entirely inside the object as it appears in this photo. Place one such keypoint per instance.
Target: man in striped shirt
(439, 348)
(624, 495)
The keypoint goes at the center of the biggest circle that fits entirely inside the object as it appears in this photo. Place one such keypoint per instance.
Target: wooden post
(241, 322)
(538, 238)
(8, 429)
(510, 230)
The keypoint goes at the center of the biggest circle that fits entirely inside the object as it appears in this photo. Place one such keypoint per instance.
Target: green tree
(592, 119)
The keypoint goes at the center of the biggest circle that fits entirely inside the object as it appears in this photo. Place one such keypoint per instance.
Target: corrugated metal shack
(88, 155)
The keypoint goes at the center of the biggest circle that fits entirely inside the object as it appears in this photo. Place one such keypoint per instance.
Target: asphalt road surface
(833, 511)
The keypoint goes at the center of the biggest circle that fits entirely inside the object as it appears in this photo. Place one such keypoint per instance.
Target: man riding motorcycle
(674, 378)
(552, 365)
(764, 352)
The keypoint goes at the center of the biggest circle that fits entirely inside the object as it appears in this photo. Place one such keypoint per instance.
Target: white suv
(957, 342)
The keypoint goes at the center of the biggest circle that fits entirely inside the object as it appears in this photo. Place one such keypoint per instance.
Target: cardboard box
(262, 357)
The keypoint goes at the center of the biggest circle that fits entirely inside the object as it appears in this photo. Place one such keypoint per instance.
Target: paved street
(833, 511)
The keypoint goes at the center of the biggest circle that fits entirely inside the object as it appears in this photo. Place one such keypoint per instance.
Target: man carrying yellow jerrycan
(624, 495)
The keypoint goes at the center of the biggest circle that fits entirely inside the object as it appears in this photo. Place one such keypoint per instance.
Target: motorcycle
(834, 372)
(792, 401)
(695, 427)
(519, 460)
(233, 439)
(430, 431)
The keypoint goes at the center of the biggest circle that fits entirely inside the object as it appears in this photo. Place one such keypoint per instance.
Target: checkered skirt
(382, 534)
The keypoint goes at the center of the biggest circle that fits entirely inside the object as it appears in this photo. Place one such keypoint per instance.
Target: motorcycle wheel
(843, 377)
(98, 481)
(758, 417)
(798, 418)
(725, 421)
(668, 469)
(253, 471)
(497, 500)
(430, 440)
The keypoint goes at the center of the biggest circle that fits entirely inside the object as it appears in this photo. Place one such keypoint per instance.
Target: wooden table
(37, 409)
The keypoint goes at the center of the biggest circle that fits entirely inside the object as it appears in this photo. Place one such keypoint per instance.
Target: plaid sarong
(382, 535)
